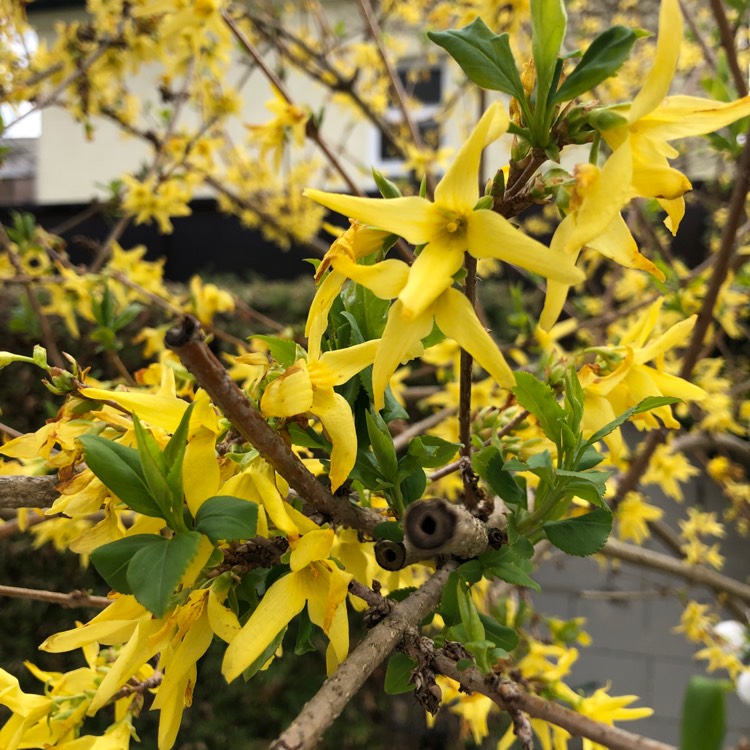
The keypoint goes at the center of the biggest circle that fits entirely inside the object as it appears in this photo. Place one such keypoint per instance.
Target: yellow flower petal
(457, 319)
(385, 279)
(617, 243)
(317, 317)
(458, 190)
(431, 274)
(401, 342)
(677, 335)
(222, 620)
(157, 411)
(315, 545)
(683, 116)
(288, 395)
(662, 71)
(335, 414)
(200, 469)
(410, 217)
(283, 601)
(135, 653)
(111, 626)
(492, 236)
(338, 366)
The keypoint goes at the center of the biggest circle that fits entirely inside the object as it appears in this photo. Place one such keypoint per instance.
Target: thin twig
(74, 599)
(464, 388)
(697, 574)
(45, 329)
(419, 428)
(728, 43)
(377, 36)
(508, 696)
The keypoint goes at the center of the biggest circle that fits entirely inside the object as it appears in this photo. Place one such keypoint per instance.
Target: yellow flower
(308, 386)
(667, 469)
(355, 243)
(653, 121)
(595, 220)
(632, 379)
(28, 710)
(207, 300)
(696, 622)
(633, 515)
(314, 580)
(450, 226)
(603, 708)
(290, 120)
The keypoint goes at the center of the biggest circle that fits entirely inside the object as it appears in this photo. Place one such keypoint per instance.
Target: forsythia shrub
(299, 480)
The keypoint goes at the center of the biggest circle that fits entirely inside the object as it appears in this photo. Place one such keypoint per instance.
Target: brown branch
(325, 706)
(186, 340)
(10, 528)
(697, 574)
(419, 428)
(728, 43)
(509, 697)
(312, 131)
(377, 36)
(28, 492)
(74, 599)
(464, 388)
(45, 329)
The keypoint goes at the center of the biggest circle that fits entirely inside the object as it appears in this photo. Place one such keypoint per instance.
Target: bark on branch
(693, 573)
(508, 696)
(28, 492)
(326, 705)
(186, 340)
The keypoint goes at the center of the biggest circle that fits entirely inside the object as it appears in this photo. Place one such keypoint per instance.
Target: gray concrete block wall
(634, 646)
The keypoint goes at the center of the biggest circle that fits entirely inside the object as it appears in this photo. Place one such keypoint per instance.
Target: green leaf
(488, 463)
(225, 518)
(449, 601)
(413, 487)
(502, 636)
(112, 560)
(652, 402)
(588, 485)
(507, 565)
(304, 644)
(156, 569)
(389, 530)
(382, 445)
(387, 188)
(469, 614)
(580, 536)
(485, 57)
(174, 451)
(539, 399)
(155, 472)
(368, 311)
(119, 469)
(268, 652)
(398, 673)
(432, 451)
(283, 351)
(601, 60)
(703, 714)
(549, 21)
(573, 403)
(589, 458)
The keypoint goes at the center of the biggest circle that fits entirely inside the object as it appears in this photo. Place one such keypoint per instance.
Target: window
(423, 85)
